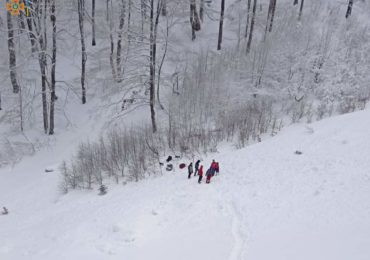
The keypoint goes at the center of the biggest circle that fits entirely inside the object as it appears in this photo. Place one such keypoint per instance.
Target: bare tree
(93, 41)
(221, 25)
(31, 33)
(39, 18)
(164, 7)
(349, 9)
(248, 18)
(252, 26)
(53, 66)
(201, 10)
(270, 17)
(143, 15)
(194, 19)
(273, 8)
(12, 54)
(81, 18)
(154, 21)
(119, 42)
(301, 10)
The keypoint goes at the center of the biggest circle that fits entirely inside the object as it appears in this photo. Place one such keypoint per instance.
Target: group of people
(213, 170)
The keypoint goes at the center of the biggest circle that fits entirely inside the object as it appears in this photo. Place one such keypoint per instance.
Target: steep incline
(268, 204)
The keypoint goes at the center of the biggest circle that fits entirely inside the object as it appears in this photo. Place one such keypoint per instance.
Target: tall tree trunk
(93, 42)
(129, 26)
(161, 65)
(270, 17)
(111, 55)
(53, 67)
(119, 42)
(272, 14)
(248, 18)
(164, 7)
(143, 16)
(12, 54)
(220, 30)
(31, 33)
(41, 30)
(152, 66)
(81, 18)
(252, 26)
(192, 11)
(349, 9)
(194, 19)
(201, 10)
(301, 10)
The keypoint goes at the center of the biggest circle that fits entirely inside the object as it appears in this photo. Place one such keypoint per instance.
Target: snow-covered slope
(267, 204)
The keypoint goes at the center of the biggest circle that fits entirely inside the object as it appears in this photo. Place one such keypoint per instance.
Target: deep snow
(267, 204)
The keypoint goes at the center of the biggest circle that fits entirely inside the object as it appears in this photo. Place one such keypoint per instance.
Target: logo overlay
(14, 7)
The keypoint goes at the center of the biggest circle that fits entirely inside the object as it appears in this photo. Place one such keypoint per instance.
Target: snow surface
(267, 204)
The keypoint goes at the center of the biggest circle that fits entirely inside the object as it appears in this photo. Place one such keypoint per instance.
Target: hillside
(267, 203)
(283, 108)
(321, 59)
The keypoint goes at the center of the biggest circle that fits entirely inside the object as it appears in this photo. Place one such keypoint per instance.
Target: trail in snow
(267, 203)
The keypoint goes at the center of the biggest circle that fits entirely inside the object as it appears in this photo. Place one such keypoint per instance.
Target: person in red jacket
(213, 167)
(200, 173)
(217, 168)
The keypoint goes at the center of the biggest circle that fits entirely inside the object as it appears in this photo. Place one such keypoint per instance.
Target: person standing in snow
(217, 169)
(213, 167)
(190, 170)
(200, 173)
(196, 166)
(209, 175)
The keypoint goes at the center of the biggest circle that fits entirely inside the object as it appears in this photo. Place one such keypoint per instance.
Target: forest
(153, 77)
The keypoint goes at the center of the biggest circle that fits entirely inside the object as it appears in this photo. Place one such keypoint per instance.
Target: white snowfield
(267, 204)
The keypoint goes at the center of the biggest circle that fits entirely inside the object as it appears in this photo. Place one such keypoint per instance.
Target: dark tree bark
(270, 17)
(31, 33)
(164, 7)
(272, 14)
(194, 19)
(152, 66)
(93, 42)
(349, 9)
(41, 15)
(252, 26)
(81, 18)
(12, 54)
(301, 10)
(201, 10)
(111, 56)
(143, 15)
(220, 30)
(160, 67)
(53, 67)
(119, 42)
(37, 27)
(295, 2)
(248, 18)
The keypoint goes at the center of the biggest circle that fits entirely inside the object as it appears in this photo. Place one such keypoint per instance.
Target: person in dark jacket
(200, 173)
(196, 166)
(190, 170)
(209, 175)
